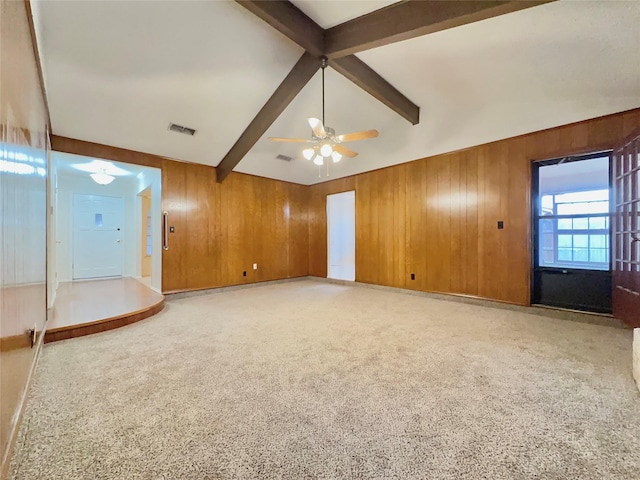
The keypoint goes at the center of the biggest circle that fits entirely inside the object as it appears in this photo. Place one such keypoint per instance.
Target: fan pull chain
(324, 65)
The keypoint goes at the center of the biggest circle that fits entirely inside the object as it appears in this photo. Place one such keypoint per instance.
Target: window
(574, 230)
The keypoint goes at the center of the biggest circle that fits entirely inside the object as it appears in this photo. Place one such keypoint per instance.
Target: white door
(341, 230)
(97, 236)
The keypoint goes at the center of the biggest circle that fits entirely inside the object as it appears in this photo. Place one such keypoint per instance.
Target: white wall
(151, 177)
(341, 232)
(82, 183)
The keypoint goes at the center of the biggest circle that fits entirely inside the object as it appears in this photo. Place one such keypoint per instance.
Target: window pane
(597, 241)
(580, 223)
(565, 224)
(597, 223)
(598, 255)
(564, 241)
(581, 241)
(581, 255)
(564, 254)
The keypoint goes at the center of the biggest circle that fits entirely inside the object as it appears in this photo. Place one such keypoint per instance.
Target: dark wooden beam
(366, 78)
(290, 21)
(299, 76)
(410, 19)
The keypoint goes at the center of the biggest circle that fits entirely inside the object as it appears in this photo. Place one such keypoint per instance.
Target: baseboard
(176, 294)
(560, 314)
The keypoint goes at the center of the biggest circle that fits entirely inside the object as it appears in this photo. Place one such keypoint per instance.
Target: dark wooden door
(626, 232)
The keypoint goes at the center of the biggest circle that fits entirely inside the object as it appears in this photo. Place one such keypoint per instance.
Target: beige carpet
(309, 380)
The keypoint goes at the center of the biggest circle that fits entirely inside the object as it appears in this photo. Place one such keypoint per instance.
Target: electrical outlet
(244, 274)
(255, 266)
(413, 276)
(500, 225)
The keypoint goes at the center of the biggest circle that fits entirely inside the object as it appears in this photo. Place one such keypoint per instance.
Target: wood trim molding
(15, 342)
(107, 152)
(74, 331)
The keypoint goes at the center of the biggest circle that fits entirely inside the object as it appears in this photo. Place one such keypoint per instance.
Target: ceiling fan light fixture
(326, 150)
(336, 156)
(319, 160)
(308, 153)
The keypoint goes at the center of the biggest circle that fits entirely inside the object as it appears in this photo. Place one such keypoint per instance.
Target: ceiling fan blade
(281, 139)
(351, 137)
(344, 151)
(317, 127)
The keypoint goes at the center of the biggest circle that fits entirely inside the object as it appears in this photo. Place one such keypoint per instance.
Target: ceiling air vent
(286, 158)
(180, 129)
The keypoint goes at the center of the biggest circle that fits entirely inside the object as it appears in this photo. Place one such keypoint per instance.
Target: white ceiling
(576, 176)
(118, 72)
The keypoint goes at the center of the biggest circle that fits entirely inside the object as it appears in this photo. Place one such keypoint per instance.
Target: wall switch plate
(500, 225)
(255, 266)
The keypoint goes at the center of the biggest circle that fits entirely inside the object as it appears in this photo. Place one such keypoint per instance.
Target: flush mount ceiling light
(102, 178)
(101, 171)
(325, 142)
(98, 166)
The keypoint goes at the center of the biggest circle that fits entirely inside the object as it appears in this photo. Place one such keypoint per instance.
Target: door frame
(534, 216)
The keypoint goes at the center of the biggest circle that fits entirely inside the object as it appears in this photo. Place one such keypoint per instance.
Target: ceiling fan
(324, 142)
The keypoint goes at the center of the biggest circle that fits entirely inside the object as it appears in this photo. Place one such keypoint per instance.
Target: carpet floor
(311, 380)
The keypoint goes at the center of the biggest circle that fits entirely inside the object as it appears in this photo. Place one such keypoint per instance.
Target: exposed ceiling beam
(410, 19)
(289, 20)
(295, 25)
(297, 78)
(366, 78)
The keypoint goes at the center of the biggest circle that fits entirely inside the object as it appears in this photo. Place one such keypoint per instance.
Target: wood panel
(23, 215)
(437, 217)
(220, 230)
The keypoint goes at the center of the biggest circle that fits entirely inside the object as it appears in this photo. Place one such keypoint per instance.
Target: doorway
(572, 235)
(341, 236)
(97, 236)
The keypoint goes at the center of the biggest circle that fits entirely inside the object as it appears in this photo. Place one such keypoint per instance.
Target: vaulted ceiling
(118, 73)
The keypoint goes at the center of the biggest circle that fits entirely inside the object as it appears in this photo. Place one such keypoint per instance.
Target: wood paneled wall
(437, 217)
(221, 230)
(23, 214)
